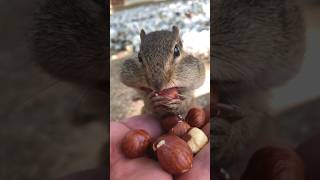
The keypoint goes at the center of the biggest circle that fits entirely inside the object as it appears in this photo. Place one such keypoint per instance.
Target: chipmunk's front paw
(222, 124)
(220, 130)
(166, 105)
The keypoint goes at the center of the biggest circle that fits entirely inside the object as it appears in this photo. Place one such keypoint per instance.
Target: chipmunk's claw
(165, 105)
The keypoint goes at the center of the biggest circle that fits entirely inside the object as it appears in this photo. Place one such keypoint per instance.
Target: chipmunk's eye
(176, 51)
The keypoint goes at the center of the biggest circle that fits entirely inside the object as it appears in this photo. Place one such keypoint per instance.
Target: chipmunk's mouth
(149, 90)
(146, 89)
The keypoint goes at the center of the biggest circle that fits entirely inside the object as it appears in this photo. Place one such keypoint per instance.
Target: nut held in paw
(170, 93)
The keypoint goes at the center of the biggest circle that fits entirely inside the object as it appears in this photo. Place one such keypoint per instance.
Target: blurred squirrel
(255, 45)
(70, 42)
(162, 64)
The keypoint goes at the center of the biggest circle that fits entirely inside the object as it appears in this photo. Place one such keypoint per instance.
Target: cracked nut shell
(196, 139)
(174, 155)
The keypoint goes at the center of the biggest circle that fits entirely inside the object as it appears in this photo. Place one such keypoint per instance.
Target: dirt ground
(38, 139)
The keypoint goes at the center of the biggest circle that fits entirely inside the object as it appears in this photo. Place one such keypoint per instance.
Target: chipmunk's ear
(175, 30)
(142, 34)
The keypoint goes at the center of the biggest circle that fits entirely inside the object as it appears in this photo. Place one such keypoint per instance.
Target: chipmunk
(163, 64)
(255, 45)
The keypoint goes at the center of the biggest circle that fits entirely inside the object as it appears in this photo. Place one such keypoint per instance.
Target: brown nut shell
(196, 117)
(275, 163)
(169, 122)
(174, 155)
(170, 93)
(180, 129)
(135, 143)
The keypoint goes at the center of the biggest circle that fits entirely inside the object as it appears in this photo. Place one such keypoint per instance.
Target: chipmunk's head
(162, 63)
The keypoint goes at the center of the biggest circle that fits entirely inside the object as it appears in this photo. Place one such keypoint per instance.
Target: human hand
(144, 168)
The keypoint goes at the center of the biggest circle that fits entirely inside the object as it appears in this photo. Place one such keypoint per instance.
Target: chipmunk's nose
(158, 84)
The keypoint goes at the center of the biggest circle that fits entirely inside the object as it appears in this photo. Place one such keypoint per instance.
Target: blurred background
(296, 104)
(38, 137)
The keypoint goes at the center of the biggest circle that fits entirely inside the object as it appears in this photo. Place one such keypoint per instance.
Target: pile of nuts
(175, 149)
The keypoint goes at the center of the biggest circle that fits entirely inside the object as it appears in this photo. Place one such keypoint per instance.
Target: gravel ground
(192, 18)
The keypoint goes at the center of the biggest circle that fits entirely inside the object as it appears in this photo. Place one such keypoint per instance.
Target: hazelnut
(196, 117)
(135, 143)
(170, 93)
(196, 139)
(169, 121)
(180, 129)
(174, 155)
(274, 163)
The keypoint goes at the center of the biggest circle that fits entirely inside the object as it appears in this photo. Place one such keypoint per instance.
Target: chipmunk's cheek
(181, 83)
(131, 74)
